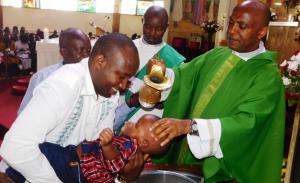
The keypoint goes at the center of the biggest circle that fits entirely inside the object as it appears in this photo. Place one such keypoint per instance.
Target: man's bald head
(157, 11)
(74, 45)
(155, 24)
(248, 24)
(255, 7)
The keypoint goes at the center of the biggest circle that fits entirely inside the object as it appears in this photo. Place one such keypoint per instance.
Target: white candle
(290, 19)
(46, 34)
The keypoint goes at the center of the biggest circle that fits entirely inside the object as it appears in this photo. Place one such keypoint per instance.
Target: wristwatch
(194, 128)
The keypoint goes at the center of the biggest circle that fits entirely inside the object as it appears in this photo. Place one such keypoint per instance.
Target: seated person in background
(22, 30)
(39, 34)
(23, 52)
(12, 60)
(103, 159)
(74, 45)
(15, 33)
(134, 36)
(2, 47)
(32, 46)
(7, 39)
(54, 34)
(91, 36)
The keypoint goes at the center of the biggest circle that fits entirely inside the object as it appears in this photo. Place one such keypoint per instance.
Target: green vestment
(250, 105)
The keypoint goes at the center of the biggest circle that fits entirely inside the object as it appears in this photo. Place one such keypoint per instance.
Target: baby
(100, 160)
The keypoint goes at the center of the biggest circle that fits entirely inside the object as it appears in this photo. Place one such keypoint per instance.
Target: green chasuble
(171, 57)
(249, 102)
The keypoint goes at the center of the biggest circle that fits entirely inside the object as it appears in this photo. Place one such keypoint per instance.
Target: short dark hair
(156, 11)
(24, 38)
(68, 34)
(106, 45)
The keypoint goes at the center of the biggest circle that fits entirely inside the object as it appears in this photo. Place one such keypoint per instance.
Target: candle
(46, 34)
(290, 18)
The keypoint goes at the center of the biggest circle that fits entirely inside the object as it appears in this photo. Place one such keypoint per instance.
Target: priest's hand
(166, 129)
(133, 100)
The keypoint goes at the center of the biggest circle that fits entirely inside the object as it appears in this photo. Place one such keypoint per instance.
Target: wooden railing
(293, 146)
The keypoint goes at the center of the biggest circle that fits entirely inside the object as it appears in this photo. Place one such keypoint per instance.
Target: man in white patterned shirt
(73, 104)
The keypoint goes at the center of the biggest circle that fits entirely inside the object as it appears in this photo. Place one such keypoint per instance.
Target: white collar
(248, 55)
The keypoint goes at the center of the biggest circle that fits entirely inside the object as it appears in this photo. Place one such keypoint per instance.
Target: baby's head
(145, 138)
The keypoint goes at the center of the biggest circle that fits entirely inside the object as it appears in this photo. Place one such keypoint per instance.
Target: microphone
(99, 30)
(92, 24)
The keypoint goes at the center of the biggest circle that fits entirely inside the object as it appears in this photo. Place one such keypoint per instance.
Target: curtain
(199, 12)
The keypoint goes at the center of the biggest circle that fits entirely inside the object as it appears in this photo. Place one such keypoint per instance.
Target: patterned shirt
(70, 111)
(35, 80)
(96, 168)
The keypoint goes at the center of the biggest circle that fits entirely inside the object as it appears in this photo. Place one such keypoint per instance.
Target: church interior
(195, 27)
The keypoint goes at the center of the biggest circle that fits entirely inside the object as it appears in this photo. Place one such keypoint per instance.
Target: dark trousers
(64, 161)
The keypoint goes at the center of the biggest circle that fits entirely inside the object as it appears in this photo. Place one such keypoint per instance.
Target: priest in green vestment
(227, 108)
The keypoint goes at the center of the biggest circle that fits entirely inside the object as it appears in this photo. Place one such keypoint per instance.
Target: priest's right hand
(166, 129)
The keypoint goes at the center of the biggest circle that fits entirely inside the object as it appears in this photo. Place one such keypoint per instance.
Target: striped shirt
(96, 168)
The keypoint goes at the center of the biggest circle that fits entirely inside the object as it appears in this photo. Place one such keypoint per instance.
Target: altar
(48, 52)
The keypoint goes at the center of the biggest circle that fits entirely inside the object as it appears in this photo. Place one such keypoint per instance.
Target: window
(13, 3)
(159, 3)
(138, 7)
(142, 6)
(131, 7)
(67, 5)
(86, 5)
(128, 7)
(105, 6)
(31, 3)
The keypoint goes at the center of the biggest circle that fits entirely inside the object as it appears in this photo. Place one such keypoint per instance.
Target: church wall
(32, 19)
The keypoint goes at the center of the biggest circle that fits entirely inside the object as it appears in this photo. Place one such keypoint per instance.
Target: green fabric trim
(218, 79)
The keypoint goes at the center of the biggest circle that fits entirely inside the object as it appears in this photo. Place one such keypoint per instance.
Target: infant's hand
(106, 136)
